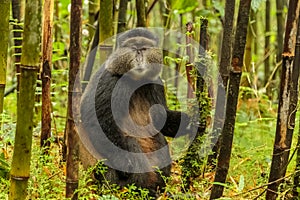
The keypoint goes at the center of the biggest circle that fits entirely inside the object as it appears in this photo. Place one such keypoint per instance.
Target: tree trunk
(122, 16)
(287, 103)
(74, 93)
(30, 62)
(297, 169)
(141, 13)
(232, 98)
(222, 80)
(4, 35)
(46, 74)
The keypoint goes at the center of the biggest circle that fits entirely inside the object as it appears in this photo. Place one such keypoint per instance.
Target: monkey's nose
(139, 56)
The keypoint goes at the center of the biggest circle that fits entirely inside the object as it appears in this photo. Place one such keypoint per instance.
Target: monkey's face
(138, 58)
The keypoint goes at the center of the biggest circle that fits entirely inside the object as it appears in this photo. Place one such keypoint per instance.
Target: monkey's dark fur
(133, 69)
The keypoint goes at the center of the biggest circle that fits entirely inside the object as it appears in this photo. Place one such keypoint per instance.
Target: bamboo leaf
(241, 183)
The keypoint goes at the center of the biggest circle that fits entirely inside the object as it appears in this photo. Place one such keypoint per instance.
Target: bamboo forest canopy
(229, 80)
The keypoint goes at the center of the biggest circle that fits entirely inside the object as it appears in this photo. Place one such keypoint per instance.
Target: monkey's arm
(95, 110)
(176, 123)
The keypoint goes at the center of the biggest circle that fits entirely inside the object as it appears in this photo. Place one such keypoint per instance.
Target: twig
(53, 175)
(260, 194)
(151, 7)
(273, 73)
(264, 185)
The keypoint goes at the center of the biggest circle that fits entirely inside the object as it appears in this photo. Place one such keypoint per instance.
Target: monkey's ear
(137, 32)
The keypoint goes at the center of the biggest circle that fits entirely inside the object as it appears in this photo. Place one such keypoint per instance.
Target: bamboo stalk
(17, 14)
(189, 169)
(287, 102)
(46, 73)
(189, 66)
(267, 45)
(90, 59)
(93, 9)
(105, 28)
(297, 63)
(232, 98)
(222, 80)
(280, 28)
(74, 92)
(122, 16)
(30, 64)
(141, 13)
(4, 33)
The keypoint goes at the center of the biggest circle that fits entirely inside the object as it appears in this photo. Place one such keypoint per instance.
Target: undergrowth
(249, 168)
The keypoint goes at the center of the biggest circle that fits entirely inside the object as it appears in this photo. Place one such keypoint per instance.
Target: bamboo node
(105, 47)
(29, 67)
(19, 178)
(72, 181)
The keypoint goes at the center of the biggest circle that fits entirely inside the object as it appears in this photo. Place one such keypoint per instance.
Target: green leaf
(106, 197)
(218, 6)
(59, 47)
(179, 6)
(241, 183)
(221, 184)
(4, 167)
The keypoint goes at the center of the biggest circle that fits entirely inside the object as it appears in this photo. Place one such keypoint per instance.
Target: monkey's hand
(176, 124)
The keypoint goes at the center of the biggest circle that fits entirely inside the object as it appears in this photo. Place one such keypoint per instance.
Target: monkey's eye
(137, 48)
(143, 48)
(133, 47)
